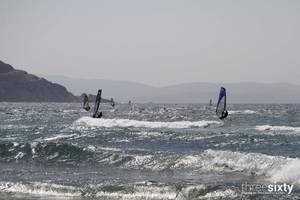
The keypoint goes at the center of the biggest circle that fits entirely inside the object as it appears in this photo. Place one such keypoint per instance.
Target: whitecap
(220, 194)
(59, 136)
(38, 188)
(232, 112)
(275, 168)
(277, 128)
(287, 173)
(108, 123)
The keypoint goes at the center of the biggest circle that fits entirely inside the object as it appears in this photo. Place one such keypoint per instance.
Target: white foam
(190, 189)
(287, 173)
(228, 194)
(146, 161)
(145, 134)
(143, 192)
(232, 112)
(209, 160)
(151, 162)
(37, 188)
(69, 111)
(15, 144)
(277, 128)
(108, 123)
(275, 168)
(8, 139)
(109, 149)
(59, 136)
(242, 162)
(194, 192)
(48, 189)
(120, 140)
(19, 155)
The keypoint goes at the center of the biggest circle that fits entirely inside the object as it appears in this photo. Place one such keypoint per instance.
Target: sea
(149, 151)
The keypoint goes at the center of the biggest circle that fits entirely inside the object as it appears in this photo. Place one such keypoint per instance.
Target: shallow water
(147, 151)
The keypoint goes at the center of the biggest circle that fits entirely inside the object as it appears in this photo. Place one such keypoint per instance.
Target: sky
(156, 42)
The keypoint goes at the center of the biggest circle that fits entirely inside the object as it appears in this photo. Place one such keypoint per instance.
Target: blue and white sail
(221, 106)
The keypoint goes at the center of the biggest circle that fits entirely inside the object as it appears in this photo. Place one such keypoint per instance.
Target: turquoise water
(147, 151)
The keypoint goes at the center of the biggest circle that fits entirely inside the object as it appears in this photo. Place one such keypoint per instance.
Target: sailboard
(97, 114)
(221, 111)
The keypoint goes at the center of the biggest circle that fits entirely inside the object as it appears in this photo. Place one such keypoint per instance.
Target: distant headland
(20, 86)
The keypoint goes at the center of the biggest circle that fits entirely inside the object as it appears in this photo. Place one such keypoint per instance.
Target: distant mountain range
(18, 85)
(123, 91)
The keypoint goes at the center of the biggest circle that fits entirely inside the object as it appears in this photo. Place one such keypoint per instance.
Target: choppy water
(147, 151)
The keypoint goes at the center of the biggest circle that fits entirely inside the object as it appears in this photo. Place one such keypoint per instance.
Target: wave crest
(147, 190)
(277, 128)
(232, 112)
(108, 123)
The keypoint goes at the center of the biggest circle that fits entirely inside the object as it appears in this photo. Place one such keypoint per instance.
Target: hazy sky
(158, 42)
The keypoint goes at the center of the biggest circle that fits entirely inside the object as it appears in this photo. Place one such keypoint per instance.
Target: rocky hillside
(19, 86)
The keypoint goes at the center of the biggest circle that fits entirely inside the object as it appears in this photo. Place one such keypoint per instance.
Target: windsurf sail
(221, 106)
(112, 102)
(96, 114)
(86, 102)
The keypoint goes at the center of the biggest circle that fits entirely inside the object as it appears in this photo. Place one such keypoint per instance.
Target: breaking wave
(274, 168)
(232, 112)
(277, 128)
(108, 123)
(145, 190)
(37, 188)
(287, 173)
(59, 136)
